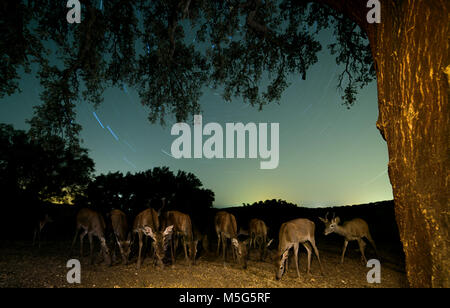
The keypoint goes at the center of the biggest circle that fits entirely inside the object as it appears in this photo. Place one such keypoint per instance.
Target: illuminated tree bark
(411, 51)
(410, 48)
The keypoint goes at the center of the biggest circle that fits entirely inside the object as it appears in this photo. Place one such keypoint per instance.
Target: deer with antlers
(293, 233)
(121, 233)
(226, 228)
(353, 230)
(258, 235)
(92, 224)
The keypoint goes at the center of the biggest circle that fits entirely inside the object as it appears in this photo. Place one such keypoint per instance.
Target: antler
(334, 214)
(326, 215)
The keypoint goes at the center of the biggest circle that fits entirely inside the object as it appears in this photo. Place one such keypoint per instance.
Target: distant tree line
(273, 203)
(38, 176)
(135, 192)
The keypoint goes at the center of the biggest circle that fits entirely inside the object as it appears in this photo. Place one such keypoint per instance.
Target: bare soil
(24, 266)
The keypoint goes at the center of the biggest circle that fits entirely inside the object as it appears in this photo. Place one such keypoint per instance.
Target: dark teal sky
(329, 155)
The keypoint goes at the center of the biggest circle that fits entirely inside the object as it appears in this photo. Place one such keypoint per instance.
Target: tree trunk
(411, 51)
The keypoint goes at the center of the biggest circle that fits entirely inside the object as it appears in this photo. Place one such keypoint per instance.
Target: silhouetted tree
(147, 44)
(133, 193)
(42, 172)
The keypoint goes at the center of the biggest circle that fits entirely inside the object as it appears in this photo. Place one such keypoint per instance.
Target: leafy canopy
(169, 51)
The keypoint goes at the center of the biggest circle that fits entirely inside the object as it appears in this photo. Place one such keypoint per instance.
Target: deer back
(119, 223)
(296, 231)
(258, 227)
(181, 222)
(91, 221)
(226, 223)
(356, 228)
(148, 217)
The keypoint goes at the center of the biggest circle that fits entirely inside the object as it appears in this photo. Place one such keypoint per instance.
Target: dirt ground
(24, 266)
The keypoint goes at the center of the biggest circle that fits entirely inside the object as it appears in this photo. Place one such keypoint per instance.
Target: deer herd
(167, 229)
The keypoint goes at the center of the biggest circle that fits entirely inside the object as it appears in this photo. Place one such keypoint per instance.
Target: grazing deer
(353, 230)
(146, 218)
(92, 224)
(258, 235)
(182, 228)
(160, 242)
(226, 228)
(292, 233)
(39, 226)
(121, 234)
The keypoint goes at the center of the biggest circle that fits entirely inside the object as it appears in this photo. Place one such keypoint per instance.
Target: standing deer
(146, 218)
(161, 241)
(258, 235)
(92, 224)
(39, 226)
(121, 234)
(182, 228)
(353, 230)
(292, 233)
(226, 228)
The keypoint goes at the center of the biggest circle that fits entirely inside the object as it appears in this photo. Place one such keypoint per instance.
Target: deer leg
(173, 248)
(309, 250)
(91, 248)
(362, 245)
(371, 241)
(140, 250)
(218, 244)
(185, 251)
(264, 248)
(316, 251)
(343, 251)
(82, 235)
(224, 248)
(74, 240)
(296, 258)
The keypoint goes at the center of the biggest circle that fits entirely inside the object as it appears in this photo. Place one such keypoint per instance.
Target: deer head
(281, 264)
(125, 248)
(241, 249)
(161, 241)
(330, 225)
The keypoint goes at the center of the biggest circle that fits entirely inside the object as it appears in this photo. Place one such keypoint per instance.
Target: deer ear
(168, 230)
(148, 231)
(323, 219)
(235, 242)
(337, 220)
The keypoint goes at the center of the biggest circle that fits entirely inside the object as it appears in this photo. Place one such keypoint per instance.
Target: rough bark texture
(411, 51)
(410, 48)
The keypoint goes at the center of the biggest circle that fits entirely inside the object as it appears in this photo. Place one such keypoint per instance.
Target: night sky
(329, 155)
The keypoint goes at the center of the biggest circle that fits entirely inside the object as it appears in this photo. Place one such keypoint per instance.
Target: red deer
(353, 230)
(293, 233)
(161, 240)
(258, 235)
(146, 218)
(182, 228)
(121, 232)
(92, 224)
(39, 226)
(226, 228)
